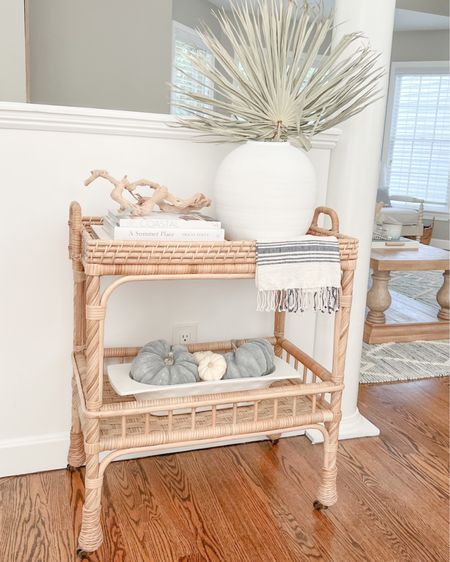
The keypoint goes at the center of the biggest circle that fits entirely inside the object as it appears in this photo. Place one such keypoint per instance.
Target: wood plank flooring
(253, 503)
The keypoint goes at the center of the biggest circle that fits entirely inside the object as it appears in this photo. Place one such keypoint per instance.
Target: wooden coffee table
(397, 318)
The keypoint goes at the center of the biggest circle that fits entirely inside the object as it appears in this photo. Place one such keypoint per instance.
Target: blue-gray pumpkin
(159, 363)
(252, 359)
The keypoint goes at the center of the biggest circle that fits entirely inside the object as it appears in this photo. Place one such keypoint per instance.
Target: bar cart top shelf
(235, 258)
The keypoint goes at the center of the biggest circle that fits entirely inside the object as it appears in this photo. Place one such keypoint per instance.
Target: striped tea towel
(299, 274)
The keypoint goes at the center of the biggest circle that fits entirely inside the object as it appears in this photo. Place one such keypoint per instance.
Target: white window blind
(187, 42)
(417, 155)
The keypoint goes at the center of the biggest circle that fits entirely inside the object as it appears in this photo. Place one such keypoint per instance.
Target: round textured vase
(265, 191)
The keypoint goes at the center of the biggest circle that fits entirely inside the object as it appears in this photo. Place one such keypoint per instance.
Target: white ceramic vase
(265, 191)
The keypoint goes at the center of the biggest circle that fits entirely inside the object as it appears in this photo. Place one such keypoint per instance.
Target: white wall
(12, 51)
(44, 170)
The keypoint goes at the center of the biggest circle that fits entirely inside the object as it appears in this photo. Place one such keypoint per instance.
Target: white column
(352, 186)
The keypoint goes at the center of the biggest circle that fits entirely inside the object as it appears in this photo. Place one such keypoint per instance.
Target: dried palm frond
(269, 83)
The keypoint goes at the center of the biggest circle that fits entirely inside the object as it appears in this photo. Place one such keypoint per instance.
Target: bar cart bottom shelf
(124, 425)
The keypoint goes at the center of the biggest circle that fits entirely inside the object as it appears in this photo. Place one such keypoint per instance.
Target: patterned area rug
(419, 285)
(391, 362)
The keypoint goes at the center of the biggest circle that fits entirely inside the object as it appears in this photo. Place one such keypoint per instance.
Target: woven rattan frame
(101, 421)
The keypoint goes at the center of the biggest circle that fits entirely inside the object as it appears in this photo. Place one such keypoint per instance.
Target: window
(186, 41)
(417, 135)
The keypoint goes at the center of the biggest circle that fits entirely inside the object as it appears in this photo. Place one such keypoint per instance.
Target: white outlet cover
(185, 333)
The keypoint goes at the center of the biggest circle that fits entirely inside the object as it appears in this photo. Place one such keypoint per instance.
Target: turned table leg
(443, 298)
(378, 297)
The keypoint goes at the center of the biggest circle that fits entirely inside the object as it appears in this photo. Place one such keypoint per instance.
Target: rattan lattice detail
(189, 257)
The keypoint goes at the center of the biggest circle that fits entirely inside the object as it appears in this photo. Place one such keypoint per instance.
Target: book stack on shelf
(160, 227)
(400, 244)
(381, 241)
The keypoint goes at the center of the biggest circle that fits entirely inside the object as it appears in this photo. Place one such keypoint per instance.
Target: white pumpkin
(212, 367)
(199, 355)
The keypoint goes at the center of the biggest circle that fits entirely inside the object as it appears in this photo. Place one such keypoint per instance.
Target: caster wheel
(82, 554)
(274, 441)
(71, 468)
(318, 506)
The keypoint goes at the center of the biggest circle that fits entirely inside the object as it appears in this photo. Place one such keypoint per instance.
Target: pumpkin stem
(169, 360)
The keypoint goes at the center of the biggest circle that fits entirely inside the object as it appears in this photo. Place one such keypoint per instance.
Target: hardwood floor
(253, 503)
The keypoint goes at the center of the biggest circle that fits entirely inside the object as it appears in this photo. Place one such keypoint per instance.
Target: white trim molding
(351, 427)
(33, 454)
(111, 122)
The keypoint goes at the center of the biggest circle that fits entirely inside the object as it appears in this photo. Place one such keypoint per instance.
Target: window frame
(409, 67)
(180, 31)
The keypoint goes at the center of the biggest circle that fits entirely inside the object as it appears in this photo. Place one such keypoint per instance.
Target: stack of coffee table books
(400, 244)
(160, 227)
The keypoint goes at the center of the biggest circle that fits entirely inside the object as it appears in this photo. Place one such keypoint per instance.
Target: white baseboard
(49, 452)
(33, 454)
(438, 243)
(351, 427)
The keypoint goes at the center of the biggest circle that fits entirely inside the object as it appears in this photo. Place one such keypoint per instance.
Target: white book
(159, 234)
(164, 220)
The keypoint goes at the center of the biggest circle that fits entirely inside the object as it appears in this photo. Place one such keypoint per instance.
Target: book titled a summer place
(157, 219)
(159, 234)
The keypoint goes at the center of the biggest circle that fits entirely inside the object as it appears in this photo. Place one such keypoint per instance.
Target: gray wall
(438, 7)
(420, 46)
(12, 51)
(108, 53)
(194, 13)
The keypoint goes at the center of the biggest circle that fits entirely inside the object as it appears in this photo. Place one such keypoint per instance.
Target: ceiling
(405, 20)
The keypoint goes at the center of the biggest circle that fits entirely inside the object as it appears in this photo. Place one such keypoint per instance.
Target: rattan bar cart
(105, 422)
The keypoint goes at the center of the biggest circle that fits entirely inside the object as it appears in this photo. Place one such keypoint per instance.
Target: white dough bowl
(124, 385)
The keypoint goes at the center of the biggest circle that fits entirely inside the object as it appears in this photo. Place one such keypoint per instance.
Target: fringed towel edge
(323, 299)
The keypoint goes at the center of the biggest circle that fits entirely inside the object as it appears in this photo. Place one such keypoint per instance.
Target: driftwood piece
(117, 192)
(142, 206)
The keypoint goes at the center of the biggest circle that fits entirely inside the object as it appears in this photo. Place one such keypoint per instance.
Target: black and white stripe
(316, 259)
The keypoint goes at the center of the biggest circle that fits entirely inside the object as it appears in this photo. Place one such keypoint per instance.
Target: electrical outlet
(185, 333)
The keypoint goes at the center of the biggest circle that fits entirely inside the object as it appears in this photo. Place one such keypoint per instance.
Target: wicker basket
(427, 234)
(103, 421)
